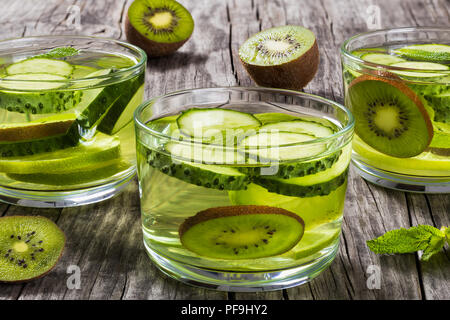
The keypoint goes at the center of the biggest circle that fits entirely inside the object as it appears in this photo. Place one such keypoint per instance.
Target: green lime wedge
(89, 154)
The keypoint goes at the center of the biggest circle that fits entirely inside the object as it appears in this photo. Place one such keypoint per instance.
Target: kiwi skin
(220, 212)
(49, 270)
(293, 75)
(152, 48)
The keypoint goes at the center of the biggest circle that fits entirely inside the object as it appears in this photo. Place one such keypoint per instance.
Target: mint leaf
(61, 52)
(426, 238)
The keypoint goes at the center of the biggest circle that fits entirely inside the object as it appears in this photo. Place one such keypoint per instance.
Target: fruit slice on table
(97, 152)
(212, 123)
(389, 116)
(41, 65)
(426, 52)
(47, 101)
(241, 232)
(282, 57)
(30, 247)
(191, 170)
(381, 58)
(426, 66)
(159, 27)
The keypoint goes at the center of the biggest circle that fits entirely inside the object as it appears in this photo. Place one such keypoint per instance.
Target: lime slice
(90, 154)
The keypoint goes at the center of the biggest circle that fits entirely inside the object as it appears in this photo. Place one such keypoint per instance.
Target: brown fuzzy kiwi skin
(395, 81)
(48, 271)
(38, 131)
(152, 48)
(293, 75)
(229, 211)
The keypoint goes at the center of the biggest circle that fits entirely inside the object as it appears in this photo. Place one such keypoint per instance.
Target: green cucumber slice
(321, 183)
(381, 58)
(121, 111)
(210, 123)
(280, 146)
(41, 144)
(441, 106)
(31, 102)
(208, 176)
(91, 154)
(272, 117)
(80, 71)
(426, 66)
(41, 65)
(300, 126)
(425, 52)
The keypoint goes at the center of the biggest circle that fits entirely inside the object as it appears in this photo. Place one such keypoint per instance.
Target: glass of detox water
(397, 85)
(66, 118)
(242, 189)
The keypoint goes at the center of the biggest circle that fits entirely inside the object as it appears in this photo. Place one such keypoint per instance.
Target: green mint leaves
(61, 52)
(426, 238)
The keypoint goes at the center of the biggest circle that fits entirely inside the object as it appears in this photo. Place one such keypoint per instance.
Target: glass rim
(346, 53)
(342, 132)
(120, 71)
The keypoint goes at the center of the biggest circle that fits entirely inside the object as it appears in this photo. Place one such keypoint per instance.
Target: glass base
(63, 199)
(243, 281)
(402, 182)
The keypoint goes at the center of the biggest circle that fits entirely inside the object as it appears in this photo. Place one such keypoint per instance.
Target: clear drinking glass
(66, 123)
(307, 179)
(404, 167)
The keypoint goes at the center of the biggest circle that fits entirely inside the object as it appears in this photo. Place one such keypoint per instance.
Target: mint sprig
(60, 52)
(424, 238)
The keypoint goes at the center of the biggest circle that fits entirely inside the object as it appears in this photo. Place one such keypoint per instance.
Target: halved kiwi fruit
(159, 27)
(282, 57)
(241, 232)
(389, 116)
(30, 247)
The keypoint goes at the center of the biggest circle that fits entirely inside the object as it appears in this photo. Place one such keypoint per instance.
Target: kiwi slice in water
(241, 232)
(282, 57)
(389, 116)
(30, 246)
(159, 27)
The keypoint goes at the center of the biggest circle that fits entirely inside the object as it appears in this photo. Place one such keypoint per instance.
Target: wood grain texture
(105, 240)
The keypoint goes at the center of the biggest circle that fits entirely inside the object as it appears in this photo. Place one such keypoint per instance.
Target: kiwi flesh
(281, 57)
(159, 27)
(30, 247)
(241, 232)
(389, 116)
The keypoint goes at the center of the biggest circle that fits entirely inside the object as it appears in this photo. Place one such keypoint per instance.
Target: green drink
(66, 129)
(231, 196)
(399, 93)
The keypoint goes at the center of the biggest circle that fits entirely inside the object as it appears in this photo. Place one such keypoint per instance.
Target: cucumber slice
(210, 123)
(422, 66)
(121, 111)
(426, 52)
(80, 71)
(300, 126)
(208, 176)
(272, 117)
(97, 152)
(40, 144)
(279, 146)
(41, 65)
(441, 106)
(95, 103)
(321, 183)
(381, 58)
(47, 101)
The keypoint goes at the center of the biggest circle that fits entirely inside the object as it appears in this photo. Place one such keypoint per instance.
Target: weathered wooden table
(105, 240)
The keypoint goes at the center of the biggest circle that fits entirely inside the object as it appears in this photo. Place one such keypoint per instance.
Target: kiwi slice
(30, 247)
(159, 27)
(281, 57)
(390, 117)
(241, 232)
